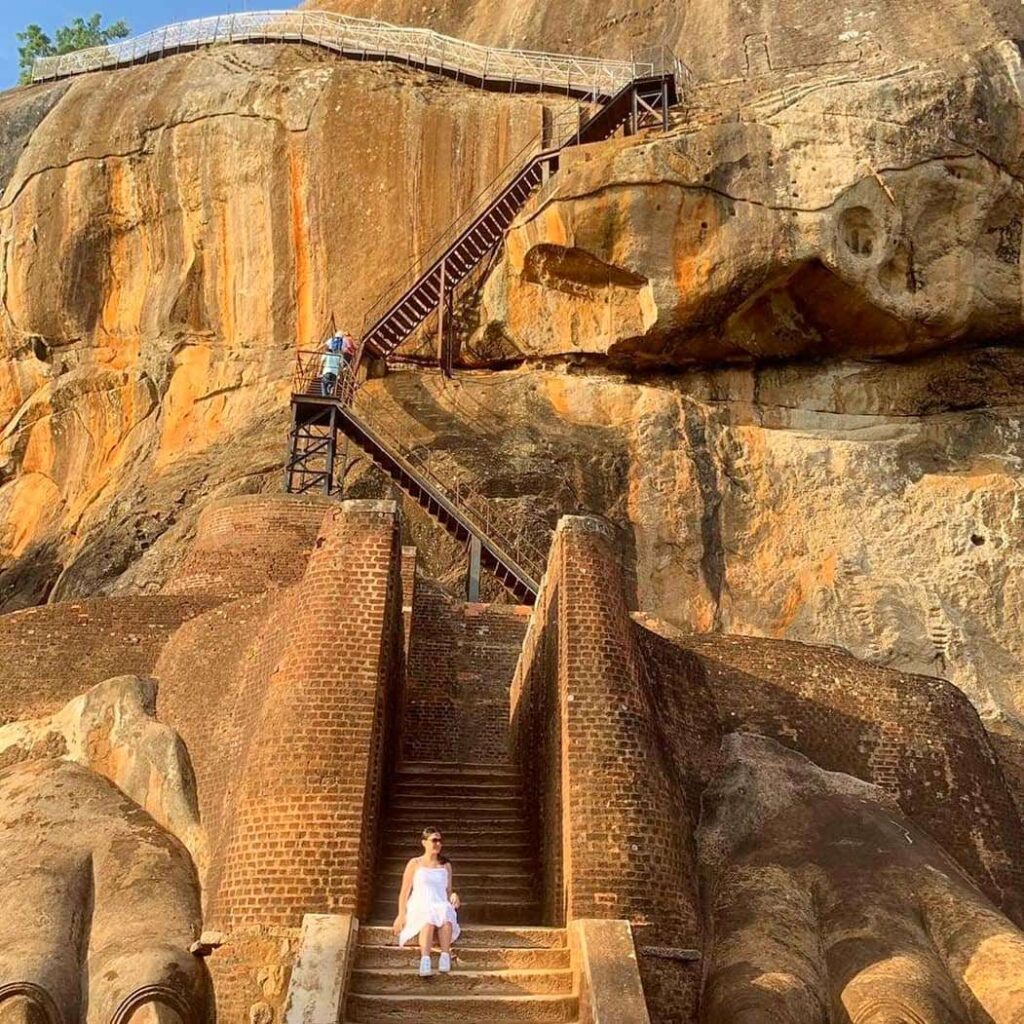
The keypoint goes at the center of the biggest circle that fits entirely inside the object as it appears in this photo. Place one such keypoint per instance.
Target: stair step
(443, 1009)
(493, 937)
(505, 912)
(454, 803)
(469, 958)
(469, 869)
(384, 981)
(404, 840)
(471, 858)
(456, 789)
(470, 881)
(446, 814)
(463, 768)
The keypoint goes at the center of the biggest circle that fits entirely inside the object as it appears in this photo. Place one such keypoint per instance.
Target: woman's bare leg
(426, 939)
(445, 935)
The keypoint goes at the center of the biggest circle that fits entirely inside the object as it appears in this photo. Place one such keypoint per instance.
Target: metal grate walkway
(363, 39)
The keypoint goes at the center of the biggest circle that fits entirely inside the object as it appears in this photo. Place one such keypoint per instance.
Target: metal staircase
(494, 541)
(322, 414)
(408, 302)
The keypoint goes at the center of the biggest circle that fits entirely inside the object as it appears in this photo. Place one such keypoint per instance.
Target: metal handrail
(487, 521)
(362, 38)
(547, 141)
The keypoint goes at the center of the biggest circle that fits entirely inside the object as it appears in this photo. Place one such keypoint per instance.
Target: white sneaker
(425, 967)
(444, 965)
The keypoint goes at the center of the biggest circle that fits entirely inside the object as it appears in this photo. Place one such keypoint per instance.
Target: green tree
(78, 35)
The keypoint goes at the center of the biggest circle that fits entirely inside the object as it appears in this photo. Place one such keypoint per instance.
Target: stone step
(493, 937)
(495, 861)
(496, 880)
(404, 980)
(445, 1009)
(468, 957)
(506, 911)
(429, 804)
(468, 774)
(411, 820)
(496, 837)
(455, 788)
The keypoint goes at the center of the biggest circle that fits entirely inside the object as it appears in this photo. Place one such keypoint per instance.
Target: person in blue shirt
(330, 365)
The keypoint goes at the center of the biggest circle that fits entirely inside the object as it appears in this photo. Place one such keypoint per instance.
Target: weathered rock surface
(99, 904)
(719, 41)
(238, 199)
(112, 729)
(825, 902)
(870, 506)
(872, 216)
(845, 183)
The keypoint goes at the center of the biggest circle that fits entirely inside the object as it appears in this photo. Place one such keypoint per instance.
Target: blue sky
(140, 15)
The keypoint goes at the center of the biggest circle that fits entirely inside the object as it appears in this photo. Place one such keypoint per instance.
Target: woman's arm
(403, 895)
(453, 897)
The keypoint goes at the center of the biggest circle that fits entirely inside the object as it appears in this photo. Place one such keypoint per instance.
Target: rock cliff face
(837, 211)
(161, 267)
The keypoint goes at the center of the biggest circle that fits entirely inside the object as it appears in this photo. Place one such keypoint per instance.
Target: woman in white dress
(427, 905)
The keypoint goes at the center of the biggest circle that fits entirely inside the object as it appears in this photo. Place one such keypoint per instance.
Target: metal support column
(332, 452)
(441, 303)
(634, 114)
(473, 576)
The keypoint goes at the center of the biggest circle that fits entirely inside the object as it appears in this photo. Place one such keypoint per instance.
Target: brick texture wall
(245, 544)
(536, 736)
(50, 655)
(302, 835)
(461, 660)
(618, 721)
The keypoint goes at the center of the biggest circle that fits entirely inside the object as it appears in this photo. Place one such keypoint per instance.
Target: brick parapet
(51, 654)
(917, 737)
(249, 543)
(630, 853)
(302, 836)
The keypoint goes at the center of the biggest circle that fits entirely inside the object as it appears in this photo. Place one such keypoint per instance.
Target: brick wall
(301, 839)
(51, 654)
(626, 839)
(461, 660)
(245, 544)
(536, 735)
(917, 737)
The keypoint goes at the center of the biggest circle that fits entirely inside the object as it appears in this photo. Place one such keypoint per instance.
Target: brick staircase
(479, 810)
(500, 975)
(505, 968)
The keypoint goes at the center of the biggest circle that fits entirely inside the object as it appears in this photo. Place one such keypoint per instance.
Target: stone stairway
(479, 810)
(500, 975)
(504, 968)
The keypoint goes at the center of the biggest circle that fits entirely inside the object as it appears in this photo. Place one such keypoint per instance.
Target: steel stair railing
(452, 501)
(410, 299)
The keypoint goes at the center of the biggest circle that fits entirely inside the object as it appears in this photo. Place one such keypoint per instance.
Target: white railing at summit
(358, 37)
